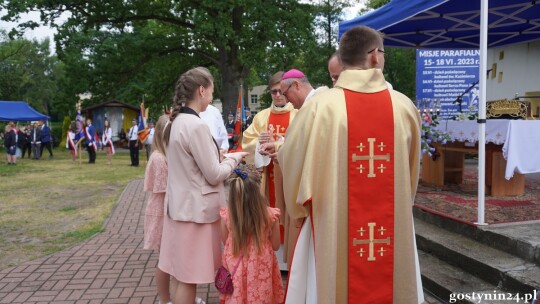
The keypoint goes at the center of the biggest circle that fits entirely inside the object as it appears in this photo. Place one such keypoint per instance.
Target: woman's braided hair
(184, 92)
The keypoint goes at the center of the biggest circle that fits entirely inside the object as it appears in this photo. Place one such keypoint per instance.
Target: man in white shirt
(212, 118)
(149, 139)
(133, 139)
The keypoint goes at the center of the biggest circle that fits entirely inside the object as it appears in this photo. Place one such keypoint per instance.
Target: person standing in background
(149, 140)
(26, 140)
(106, 139)
(45, 138)
(71, 143)
(36, 141)
(133, 140)
(229, 125)
(212, 117)
(11, 144)
(91, 141)
(249, 119)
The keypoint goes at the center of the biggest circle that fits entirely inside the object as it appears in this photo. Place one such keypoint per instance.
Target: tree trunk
(232, 75)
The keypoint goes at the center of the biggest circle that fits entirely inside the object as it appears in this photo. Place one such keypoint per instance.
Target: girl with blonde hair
(155, 182)
(250, 232)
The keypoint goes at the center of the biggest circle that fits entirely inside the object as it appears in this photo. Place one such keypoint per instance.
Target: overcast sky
(39, 33)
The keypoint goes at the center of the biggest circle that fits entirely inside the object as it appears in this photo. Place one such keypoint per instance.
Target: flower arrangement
(430, 134)
(471, 114)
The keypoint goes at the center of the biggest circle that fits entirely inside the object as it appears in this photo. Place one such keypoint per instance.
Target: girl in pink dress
(250, 232)
(155, 182)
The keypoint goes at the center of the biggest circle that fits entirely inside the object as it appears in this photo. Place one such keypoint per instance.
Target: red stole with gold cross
(371, 197)
(277, 125)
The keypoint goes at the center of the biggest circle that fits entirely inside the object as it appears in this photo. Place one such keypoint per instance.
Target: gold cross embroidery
(361, 147)
(381, 146)
(371, 157)
(371, 242)
(279, 129)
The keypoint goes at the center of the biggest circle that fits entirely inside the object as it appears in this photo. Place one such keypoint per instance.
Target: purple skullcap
(293, 73)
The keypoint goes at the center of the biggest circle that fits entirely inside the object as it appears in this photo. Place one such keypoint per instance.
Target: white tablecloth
(520, 140)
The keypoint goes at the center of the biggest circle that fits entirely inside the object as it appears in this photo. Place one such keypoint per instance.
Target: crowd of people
(336, 167)
(29, 141)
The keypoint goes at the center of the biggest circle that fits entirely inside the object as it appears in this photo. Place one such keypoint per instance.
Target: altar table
(512, 149)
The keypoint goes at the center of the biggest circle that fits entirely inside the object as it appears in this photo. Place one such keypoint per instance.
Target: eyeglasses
(287, 90)
(378, 50)
(276, 91)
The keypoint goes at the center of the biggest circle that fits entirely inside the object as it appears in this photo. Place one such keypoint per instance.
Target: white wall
(520, 67)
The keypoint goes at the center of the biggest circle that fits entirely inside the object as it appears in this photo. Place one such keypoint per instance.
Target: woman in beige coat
(190, 247)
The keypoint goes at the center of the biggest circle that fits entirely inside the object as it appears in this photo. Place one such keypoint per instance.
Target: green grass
(48, 205)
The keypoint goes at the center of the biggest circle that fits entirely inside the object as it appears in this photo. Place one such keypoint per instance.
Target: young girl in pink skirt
(250, 232)
(155, 182)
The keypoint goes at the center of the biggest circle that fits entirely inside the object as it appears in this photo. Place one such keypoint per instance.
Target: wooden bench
(448, 167)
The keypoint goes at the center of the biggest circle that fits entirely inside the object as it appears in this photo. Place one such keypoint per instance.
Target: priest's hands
(268, 149)
(265, 137)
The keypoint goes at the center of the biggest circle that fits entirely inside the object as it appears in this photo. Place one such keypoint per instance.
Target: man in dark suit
(229, 125)
(45, 138)
(249, 119)
(91, 141)
(133, 139)
(35, 140)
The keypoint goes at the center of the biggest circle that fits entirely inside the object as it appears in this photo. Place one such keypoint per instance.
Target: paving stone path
(111, 267)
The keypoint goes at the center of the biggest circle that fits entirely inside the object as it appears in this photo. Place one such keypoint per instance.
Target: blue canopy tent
(451, 23)
(457, 24)
(19, 111)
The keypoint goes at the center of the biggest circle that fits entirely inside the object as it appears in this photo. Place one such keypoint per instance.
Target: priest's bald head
(362, 47)
(296, 87)
(334, 67)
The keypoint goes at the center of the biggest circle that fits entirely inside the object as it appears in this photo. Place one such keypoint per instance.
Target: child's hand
(237, 155)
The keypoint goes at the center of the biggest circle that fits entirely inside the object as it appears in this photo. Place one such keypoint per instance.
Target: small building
(254, 102)
(514, 72)
(118, 113)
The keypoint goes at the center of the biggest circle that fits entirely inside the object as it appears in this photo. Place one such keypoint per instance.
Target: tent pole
(482, 112)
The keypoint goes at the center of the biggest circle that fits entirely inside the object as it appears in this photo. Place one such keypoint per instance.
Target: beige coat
(195, 190)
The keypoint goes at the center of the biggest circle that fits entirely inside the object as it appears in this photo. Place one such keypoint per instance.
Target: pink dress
(257, 278)
(155, 182)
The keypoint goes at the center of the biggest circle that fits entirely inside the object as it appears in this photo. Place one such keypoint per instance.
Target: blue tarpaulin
(451, 23)
(19, 111)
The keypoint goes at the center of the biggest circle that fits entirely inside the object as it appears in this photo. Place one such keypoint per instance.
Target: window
(500, 79)
(494, 71)
(254, 98)
(501, 55)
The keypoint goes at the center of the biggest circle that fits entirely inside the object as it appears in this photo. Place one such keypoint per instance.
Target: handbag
(223, 279)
